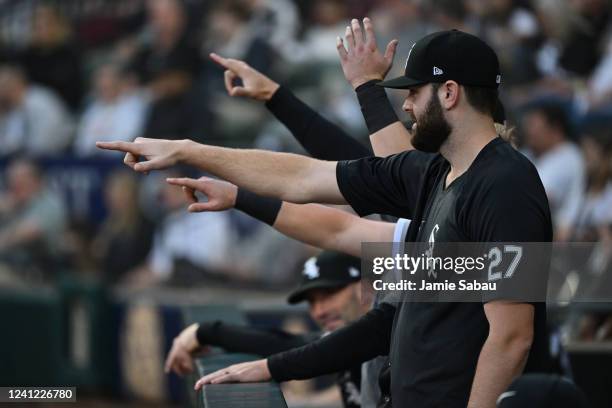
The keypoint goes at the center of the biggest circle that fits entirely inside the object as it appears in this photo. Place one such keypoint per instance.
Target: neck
(465, 142)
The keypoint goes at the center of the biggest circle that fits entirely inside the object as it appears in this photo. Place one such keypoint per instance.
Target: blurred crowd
(73, 72)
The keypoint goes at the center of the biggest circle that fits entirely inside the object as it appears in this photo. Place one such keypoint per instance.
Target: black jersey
(435, 346)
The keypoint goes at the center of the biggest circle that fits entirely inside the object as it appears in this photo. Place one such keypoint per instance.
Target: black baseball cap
(449, 55)
(327, 271)
(542, 391)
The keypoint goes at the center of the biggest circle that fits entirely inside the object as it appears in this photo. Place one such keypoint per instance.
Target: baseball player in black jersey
(463, 183)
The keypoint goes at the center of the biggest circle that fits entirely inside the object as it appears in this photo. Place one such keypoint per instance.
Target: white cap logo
(311, 270)
(407, 58)
(353, 272)
(437, 71)
(498, 79)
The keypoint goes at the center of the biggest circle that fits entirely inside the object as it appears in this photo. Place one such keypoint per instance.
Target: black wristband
(375, 106)
(264, 209)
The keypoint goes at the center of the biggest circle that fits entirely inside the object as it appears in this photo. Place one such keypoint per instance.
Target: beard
(432, 129)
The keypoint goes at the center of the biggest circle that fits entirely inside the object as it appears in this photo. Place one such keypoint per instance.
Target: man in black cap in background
(462, 184)
(330, 285)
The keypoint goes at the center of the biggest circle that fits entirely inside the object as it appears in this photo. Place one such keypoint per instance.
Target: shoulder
(505, 168)
(504, 199)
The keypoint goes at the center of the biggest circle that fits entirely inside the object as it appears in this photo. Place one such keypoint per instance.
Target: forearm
(360, 341)
(391, 139)
(285, 176)
(319, 137)
(315, 224)
(387, 134)
(330, 228)
(499, 363)
(242, 339)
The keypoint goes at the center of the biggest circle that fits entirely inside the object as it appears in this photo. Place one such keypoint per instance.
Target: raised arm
(320, 138)
(314, 224)
(287, 176)
(364, 65)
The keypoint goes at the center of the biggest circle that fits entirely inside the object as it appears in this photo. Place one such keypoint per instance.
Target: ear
(448, 93)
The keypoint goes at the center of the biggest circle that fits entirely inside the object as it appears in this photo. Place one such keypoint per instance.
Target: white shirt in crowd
(42, 125)
(563, 175)
(121, 120)
(204, 239)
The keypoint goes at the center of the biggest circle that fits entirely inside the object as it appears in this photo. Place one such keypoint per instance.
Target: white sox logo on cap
(311, 270)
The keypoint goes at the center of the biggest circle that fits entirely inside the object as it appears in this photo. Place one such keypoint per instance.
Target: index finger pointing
(183, 181)
(127, 147)
(232, 64)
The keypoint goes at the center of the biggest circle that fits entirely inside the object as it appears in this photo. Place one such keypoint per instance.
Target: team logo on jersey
(311, 270)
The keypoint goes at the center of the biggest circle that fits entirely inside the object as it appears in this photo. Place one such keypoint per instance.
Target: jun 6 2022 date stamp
(37, 394)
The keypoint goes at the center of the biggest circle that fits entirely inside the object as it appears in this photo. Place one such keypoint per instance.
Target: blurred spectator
(117, 111)
(329, 20)
(124, 239)
(583, 46)
(187, 247)
(33, 219)
(33, 119)
(449, 14)
(230, 33)
(278, 22)
(559, 162)
(600, 83)
(595, 218)
(166, 64)
(52, 58)
(513, 30)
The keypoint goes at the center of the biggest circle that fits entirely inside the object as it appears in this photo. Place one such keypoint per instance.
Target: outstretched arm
(196, 338)
(357, 342)
(314, 224)
(287, 176)
(319, 137)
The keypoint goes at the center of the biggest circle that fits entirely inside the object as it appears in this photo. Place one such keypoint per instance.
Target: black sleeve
(360, 341)
(321, 138)
(242, 339)
(387, 185)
